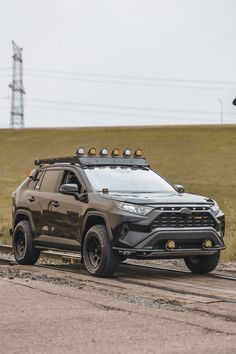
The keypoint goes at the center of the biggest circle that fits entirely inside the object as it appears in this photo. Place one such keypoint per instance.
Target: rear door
(40, 204)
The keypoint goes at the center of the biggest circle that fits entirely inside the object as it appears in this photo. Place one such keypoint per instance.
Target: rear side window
(50, 180)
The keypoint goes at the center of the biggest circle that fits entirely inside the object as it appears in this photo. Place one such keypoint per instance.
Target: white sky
(156, 39)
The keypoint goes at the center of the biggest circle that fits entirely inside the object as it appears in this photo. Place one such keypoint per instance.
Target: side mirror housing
(69, 188)
(179, 188)
(72, 189)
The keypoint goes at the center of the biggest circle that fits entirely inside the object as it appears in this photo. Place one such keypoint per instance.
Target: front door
(65, 212)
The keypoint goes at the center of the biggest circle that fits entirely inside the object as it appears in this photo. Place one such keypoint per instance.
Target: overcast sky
(121, 62)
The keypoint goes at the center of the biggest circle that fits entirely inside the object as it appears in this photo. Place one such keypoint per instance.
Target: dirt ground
(46, 311)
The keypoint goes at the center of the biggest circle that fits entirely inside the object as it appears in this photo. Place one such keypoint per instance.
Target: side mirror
(72, 189)
(69, 188)
(179, 188)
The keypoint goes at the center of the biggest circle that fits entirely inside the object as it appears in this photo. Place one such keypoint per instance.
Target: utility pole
(17, 101)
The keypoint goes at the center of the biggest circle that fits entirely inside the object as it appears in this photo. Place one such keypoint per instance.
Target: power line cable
(124, 107)
(150, 84)
(134, 77)
(118, 114)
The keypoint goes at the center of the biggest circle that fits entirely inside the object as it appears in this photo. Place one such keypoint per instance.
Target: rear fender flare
(28, 216)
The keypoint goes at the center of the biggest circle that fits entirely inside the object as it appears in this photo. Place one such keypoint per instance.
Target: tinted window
(49, 182)
(70, 178)
(38, 180)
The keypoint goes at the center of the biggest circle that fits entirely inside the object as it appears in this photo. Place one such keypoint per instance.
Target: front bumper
(189, 242)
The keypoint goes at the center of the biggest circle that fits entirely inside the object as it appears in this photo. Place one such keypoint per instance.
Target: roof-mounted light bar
(80, 151)
(103, 152)
(127, 153)
(116, 159)
(92, 152)
(115, 152)
(138, 153)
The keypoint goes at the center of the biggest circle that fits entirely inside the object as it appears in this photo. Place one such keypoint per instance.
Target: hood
(154, 199)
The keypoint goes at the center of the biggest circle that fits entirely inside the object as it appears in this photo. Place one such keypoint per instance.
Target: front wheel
(99, 258)
(23, 248)
(202, 264)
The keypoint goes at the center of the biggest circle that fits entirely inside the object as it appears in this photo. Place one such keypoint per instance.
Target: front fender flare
(101, 215)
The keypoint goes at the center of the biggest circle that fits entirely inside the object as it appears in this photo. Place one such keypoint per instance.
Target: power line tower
(17, 101)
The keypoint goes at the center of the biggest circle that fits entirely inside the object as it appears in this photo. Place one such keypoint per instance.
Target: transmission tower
(17, 101)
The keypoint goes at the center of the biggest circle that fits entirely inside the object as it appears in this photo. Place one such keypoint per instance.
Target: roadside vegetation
(202, 158)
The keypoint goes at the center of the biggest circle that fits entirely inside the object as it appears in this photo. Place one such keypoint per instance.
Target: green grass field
(202, 158)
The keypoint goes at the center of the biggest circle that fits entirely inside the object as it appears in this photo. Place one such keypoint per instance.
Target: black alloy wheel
(99, 258)
(94, 252)
(23, 247)
(20, 244)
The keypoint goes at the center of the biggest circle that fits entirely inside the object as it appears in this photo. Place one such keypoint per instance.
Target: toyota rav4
(111, 208)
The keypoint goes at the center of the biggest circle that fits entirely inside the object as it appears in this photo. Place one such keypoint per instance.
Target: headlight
(133, 208)
(215, 207)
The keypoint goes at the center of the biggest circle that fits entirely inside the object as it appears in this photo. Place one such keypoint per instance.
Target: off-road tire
(99, 258)
(202, 264)
(23, 248)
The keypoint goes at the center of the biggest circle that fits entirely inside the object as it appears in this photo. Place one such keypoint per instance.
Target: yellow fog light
(138, 153)
(207, 243)
(115, 153)
(92, 152)
(170, 244)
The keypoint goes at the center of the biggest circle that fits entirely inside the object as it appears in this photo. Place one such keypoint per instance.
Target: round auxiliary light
(115, 153)
(138, 153)
(127, 153)
(92, 152)
(207, 243)
(170, 244)
(80, 151)
(103, 152)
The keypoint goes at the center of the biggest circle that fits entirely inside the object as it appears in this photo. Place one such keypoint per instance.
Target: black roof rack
(51, 161)
(94, 161)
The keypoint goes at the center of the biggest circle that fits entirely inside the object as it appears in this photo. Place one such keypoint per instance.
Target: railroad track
(73, 258)
(169, 288)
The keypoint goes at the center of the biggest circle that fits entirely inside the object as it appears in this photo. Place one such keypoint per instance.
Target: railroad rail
(75, 258)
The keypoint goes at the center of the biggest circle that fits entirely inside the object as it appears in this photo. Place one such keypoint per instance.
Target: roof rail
(51, 161)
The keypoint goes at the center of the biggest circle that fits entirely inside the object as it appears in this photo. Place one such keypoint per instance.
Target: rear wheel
(202, 264)
(99, 258)
(23, 248)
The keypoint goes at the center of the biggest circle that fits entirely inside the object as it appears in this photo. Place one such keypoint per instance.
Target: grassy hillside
(203, 159)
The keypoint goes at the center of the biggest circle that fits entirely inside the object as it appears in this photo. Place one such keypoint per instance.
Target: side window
(38, 181)
(50, 180)
(70, 178)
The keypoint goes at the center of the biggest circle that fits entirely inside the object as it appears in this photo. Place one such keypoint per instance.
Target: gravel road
(46, 310)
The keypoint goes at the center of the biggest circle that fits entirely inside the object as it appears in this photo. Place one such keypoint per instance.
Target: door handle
(55, 203)
(31, 198)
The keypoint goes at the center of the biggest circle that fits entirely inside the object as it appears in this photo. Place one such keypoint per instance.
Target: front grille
(178, 220)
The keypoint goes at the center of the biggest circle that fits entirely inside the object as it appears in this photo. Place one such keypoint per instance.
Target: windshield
(125, 179)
